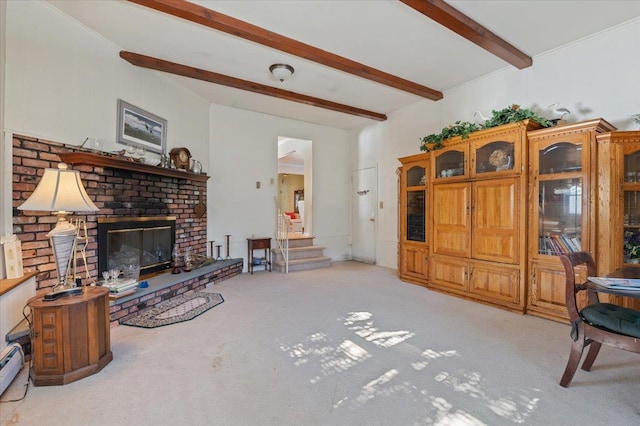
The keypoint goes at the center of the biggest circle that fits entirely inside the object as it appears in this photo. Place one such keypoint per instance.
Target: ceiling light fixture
(281, 71)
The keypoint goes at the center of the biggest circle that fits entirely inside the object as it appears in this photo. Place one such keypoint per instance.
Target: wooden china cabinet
(493, 212)
(413, 249)
(563, 185)
(618, 203)
(473, 241)
(478, 216)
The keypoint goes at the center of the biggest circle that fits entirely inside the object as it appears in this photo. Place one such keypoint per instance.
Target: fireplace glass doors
(143, 241)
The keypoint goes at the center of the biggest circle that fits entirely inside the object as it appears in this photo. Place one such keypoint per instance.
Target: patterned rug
(178, 309)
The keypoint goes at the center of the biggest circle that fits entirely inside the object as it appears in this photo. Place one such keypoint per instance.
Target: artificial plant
(510, 114)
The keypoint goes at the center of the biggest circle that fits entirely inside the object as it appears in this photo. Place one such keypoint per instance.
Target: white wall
(595, 77)
(63, 81)
(5, 190)
(244, 150)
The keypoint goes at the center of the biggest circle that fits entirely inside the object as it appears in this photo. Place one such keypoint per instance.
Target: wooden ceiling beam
(218, 21)
(466, 27)
(225, 80)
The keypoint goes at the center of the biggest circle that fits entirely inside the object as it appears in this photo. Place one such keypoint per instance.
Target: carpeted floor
(178, 309)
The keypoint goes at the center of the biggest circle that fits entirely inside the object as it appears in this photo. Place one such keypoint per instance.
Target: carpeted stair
(303, 255)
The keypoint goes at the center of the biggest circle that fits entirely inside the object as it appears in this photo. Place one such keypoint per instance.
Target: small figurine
(187, 259)
(175, 254)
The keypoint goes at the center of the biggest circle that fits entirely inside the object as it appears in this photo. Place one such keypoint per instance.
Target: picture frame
(141, 128)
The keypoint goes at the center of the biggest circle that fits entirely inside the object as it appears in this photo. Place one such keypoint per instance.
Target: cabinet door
(414, 262)
(450, 163)
(414, 197)
(631, 205)
(449, 273)
(547, 291)
(497, 283)
(495, 224)
(451, 219)
(48, 342)
(560, 175)
(496, 157)
(629, 241)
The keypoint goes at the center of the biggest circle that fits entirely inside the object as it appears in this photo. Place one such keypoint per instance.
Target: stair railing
(282, 235)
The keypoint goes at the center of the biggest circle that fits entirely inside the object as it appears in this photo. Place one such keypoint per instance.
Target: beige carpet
(346, 345)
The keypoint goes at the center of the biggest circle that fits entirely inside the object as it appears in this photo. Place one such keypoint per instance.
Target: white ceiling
(384, 34)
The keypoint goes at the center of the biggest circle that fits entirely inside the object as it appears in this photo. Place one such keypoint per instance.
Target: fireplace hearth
(144, 242)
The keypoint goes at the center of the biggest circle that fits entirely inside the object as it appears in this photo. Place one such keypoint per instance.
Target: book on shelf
(617, 283)
(559, 244)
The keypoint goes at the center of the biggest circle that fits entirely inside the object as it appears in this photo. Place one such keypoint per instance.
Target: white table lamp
(61, 191)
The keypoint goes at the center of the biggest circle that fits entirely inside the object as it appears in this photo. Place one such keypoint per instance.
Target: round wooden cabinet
(70, 337)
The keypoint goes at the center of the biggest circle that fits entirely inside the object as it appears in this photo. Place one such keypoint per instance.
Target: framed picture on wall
(140, 128)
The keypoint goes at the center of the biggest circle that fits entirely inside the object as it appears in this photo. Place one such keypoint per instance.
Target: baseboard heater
(11, 362)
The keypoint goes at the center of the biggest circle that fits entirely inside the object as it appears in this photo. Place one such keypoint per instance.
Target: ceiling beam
(218, 21)
(466, 27)
(225, 80)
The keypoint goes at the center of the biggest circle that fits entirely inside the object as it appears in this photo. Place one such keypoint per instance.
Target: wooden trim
(461, 24)
(118, 163)
(8, 284)
(218, 21)
(225, 80)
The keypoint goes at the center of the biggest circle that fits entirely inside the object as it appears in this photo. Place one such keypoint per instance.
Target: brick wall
(115, 193)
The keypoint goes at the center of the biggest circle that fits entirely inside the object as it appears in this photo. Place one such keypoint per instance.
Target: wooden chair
(596, 323)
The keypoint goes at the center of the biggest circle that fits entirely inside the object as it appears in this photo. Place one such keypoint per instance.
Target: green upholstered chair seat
(613, 317)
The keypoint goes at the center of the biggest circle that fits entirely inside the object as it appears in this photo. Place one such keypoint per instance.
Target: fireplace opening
(146, 242)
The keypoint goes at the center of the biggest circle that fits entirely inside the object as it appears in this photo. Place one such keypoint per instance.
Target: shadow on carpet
(178, 309)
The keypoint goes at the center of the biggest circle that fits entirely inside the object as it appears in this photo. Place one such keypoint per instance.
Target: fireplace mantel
(112, 162)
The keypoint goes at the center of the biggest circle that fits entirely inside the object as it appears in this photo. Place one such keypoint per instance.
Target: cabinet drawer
(496, 282)
(261, 244)
(449, 272)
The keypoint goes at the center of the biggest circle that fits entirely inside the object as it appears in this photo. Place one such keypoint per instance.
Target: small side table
(257, 244)
(70, 337)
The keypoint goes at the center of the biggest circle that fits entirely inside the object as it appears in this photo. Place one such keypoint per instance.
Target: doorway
(364, 198)
(295, 189)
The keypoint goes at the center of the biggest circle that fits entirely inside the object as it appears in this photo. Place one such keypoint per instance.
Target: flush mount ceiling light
(281, 71)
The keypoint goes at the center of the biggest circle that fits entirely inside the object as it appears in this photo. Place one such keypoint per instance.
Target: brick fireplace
(116, 192)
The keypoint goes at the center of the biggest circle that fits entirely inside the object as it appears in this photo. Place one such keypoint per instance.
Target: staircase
(303, 255)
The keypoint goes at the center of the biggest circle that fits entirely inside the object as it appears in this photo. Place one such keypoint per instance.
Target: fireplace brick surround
(116, 193)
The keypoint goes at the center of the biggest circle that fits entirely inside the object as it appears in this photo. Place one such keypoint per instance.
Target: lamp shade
(59, 190)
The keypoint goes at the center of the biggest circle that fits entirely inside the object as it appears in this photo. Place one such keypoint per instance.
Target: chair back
(571, 261)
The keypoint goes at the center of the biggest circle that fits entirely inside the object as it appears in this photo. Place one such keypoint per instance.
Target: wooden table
(257, 244)
(70, 337)
(627, 272)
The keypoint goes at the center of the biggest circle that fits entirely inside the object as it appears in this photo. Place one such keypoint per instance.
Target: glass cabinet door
(563, 157)
(450, 162)
(416, 206)
(416, 216)
(494, 157)
(631, 199)
(560, 200)
(416, 176)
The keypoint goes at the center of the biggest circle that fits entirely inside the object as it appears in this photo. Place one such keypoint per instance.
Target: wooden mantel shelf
(112, 162)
